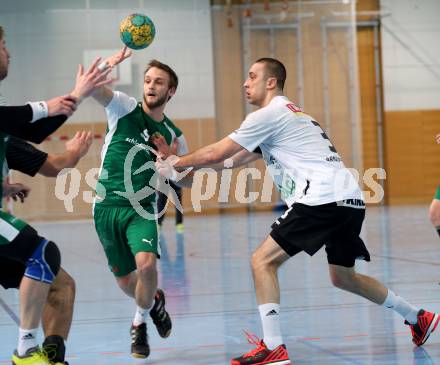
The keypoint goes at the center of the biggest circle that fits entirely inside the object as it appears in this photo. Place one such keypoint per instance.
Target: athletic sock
(401, 306)
(270, 320)
(26, 340)
(139, 316)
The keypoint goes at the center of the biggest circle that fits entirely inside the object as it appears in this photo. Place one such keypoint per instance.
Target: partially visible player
(323, 210)
(19, 241)
(58, 310)
(434, 209)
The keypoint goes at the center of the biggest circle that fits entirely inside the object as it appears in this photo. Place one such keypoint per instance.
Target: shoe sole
(431, 328)
(138, 356)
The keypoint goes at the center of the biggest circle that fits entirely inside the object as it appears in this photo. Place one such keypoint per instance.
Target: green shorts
(123, 233)
(437, 194)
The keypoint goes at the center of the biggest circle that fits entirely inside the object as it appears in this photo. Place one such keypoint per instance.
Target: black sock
(55, 348)
(438, 230)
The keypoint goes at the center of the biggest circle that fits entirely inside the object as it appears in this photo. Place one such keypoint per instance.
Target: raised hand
(117, 58)
(80, 143)
(87, 82)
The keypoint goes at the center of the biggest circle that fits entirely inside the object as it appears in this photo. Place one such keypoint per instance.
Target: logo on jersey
(294, 108)
(145, 135)
(148, 241)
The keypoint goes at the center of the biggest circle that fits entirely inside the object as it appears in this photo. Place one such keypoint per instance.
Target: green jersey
(128, 175)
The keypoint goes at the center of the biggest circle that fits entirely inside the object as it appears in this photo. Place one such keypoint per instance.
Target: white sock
(26, 340)
(139, 316)
(401, 306)
(270, 319)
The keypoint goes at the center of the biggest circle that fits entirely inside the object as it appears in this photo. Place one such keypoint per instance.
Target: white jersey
(301, 159)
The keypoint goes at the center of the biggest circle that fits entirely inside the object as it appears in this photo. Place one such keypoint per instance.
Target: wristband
(39, 110)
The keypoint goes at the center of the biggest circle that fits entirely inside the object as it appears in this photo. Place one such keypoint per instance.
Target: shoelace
(43, 354)
(254, 340)
(50, 351)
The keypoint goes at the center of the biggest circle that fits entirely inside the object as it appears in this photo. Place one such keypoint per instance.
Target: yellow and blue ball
(137, 31)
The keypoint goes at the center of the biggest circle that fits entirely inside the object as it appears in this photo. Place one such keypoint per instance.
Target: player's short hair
(174, 80)
(274, 68)
(1, 32)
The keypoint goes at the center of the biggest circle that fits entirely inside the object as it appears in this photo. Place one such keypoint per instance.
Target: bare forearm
(211, 155)
(55, 163)
(239, 159)
(103, 95)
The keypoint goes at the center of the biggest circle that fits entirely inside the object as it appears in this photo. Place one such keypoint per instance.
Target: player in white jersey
(325, 206)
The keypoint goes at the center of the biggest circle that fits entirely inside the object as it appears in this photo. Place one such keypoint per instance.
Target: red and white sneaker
(261, 355)
(426, 324)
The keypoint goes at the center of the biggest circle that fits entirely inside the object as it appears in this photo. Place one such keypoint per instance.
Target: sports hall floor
(205, 273)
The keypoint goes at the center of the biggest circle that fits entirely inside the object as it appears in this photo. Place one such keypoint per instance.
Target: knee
(260, 262)
(343, 281)
(256, 261)
(125, 282)
(147, 268)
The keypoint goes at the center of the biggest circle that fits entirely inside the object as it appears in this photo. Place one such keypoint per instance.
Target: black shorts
(335, 225)
(14, 255)
(11, 273)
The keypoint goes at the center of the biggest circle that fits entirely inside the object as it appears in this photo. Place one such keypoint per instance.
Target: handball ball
(137, 31)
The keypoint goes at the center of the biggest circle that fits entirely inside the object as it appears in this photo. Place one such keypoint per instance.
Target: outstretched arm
(76, 148)
(239, 159)
(24, 157)
(35, 121)
(210, 155)
(104, 94)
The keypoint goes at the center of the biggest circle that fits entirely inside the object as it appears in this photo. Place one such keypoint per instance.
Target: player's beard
(155, 104)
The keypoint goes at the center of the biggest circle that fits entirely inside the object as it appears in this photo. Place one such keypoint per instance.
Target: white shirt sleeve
(120, 105)
(182, 147)
(252, 132)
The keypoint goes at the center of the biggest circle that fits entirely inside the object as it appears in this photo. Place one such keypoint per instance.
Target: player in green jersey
(124, 210)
